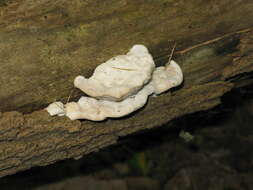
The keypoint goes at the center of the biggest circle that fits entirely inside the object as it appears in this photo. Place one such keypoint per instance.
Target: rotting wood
(38, 139)
(34, 139)
(46, 43)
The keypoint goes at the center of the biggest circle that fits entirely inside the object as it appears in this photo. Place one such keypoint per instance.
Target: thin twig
(171, 53)
(69, 96)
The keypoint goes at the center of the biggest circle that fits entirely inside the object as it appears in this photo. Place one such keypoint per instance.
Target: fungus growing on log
(120, 86)
(120, 76)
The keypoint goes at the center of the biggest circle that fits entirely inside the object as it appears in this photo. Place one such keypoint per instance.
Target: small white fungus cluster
(119, 86)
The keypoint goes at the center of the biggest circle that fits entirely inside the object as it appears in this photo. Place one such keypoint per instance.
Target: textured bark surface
(45, 44)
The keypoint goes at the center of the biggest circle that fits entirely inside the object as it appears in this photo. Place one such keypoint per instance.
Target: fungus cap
(167, 77)
(98, 110)
(120, 76)
(56, 108)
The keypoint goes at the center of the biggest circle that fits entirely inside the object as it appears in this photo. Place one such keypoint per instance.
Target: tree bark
(45, 44)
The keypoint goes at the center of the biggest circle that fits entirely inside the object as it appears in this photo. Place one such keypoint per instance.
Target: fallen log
(41, 51)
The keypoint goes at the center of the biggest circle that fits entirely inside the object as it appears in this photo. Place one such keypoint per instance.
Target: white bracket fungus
(167, 77)
(120, 86)
(120, 76)
(56, 108)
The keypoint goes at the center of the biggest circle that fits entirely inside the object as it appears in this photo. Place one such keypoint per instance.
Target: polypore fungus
(56, 108)
(97, 110)
(127, 99)
(167, 77)
(119, 77)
